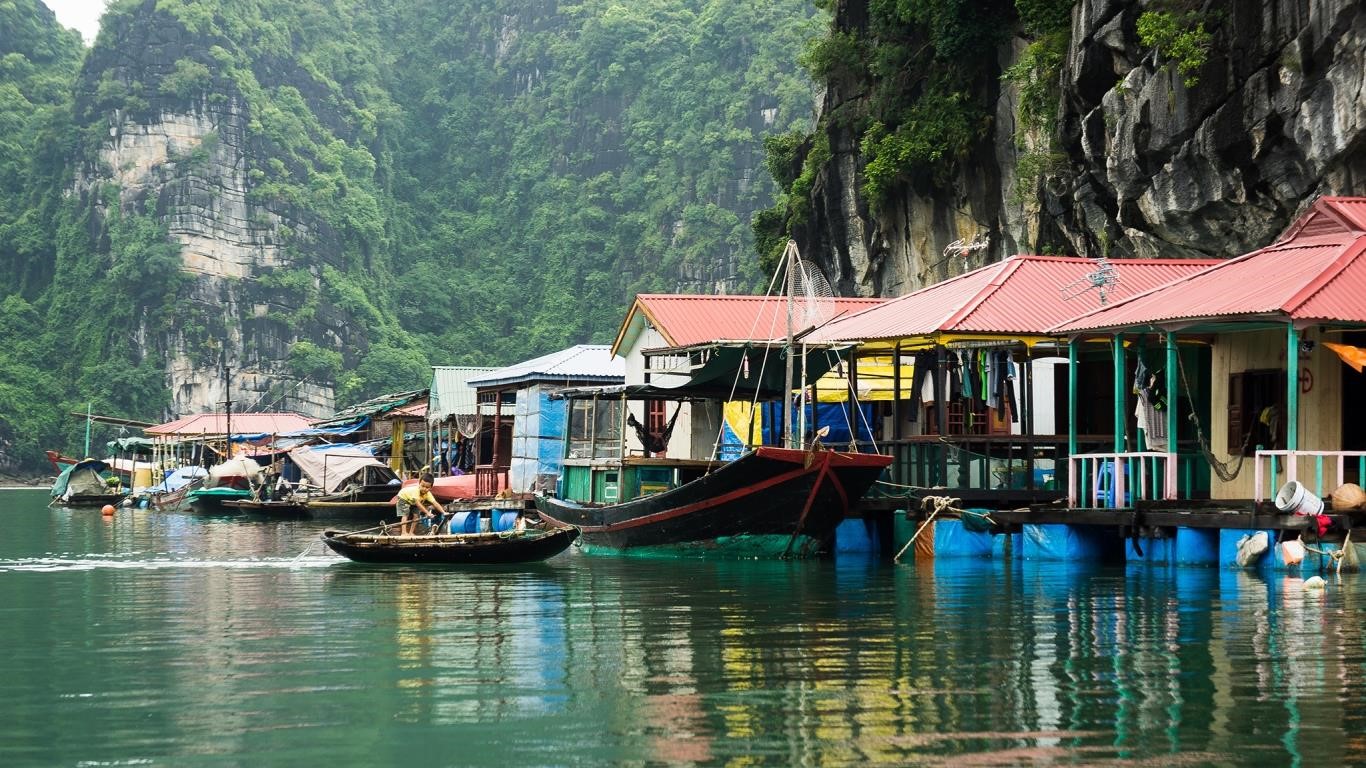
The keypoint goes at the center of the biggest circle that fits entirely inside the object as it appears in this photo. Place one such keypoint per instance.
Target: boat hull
(267, 508)
(469, 549)
(209, 501)
(92, 500)
(776, 496)
(177, 500)
(365, 503)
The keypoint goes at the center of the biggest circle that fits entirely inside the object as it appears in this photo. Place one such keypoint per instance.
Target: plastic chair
(1105, 485)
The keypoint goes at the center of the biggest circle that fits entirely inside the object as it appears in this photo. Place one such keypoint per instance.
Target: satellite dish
(1102, 280)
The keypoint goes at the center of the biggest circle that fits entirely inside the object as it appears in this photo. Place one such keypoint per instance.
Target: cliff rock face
(1148, 167)
(185, 162)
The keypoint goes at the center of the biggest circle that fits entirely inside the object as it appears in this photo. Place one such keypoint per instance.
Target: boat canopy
(731, 370)
(83, 477)
(331, 466)
(179, 479)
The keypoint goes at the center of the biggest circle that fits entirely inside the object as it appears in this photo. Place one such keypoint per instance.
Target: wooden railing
(1266, 465)
(489, 479)
(1116, 480)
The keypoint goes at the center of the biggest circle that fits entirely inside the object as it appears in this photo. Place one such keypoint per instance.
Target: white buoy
(1315, 584)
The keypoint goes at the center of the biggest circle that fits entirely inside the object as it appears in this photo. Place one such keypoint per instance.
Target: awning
(738, 370)
(329, 467)
(337, 431)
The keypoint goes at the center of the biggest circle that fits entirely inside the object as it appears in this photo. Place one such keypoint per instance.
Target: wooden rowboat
(526, 546)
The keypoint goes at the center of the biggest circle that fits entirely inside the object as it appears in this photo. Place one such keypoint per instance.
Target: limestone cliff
(184, 156)
(1144, 165)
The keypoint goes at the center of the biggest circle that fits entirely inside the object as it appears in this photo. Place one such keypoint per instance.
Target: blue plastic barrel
(465, 522)
(504, 520)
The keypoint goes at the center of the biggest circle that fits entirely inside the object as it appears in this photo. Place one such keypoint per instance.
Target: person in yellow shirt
(417, 499)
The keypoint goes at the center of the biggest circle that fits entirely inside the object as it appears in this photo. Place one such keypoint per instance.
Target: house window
(1256, 411)
(655, 417)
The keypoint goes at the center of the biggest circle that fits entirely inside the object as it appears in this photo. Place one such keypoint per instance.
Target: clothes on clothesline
(1150, 413)
(984, 376)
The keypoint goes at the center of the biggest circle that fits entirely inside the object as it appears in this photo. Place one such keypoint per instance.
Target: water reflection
(187, 641)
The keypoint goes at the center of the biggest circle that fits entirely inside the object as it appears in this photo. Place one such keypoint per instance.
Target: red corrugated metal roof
(685, 319)
(242, 424)
(1021, 295)
(1317, 273)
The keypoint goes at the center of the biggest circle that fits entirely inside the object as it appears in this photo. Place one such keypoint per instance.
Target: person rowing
(415, 500)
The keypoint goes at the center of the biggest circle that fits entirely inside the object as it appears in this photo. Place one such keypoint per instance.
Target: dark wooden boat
(531, 545)
(770, 501)
(91, 500)
(271, 507)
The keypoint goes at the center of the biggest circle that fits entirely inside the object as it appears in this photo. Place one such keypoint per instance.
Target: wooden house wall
(684, 438)
(1320, 409)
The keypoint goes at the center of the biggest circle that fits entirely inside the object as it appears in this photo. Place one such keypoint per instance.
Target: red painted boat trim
(768, 452)
(699, 505)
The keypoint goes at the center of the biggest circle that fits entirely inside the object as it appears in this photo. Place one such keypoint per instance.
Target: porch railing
(1116, 480)
(1268, 464)
(489, 479)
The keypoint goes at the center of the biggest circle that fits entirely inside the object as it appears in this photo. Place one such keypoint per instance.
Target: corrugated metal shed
(242, 424)
(579, 364)
(1317, 272)
(452, 394)
(686, 319)
(1021, 295)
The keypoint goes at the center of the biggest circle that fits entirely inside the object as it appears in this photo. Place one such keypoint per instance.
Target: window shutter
(1237, 396)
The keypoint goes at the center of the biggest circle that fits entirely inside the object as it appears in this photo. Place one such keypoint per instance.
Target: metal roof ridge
(1004, 269)
(1219, 264)
(1322, 279)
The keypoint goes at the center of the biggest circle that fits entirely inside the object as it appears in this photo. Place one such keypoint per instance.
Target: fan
(813, 299)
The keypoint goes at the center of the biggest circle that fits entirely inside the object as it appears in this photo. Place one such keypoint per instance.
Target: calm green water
(155, 639)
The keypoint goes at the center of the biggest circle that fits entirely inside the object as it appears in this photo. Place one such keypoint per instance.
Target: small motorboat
(493, 548)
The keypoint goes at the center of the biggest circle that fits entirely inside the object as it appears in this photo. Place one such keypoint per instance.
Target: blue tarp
(832, 415)
(179, 479)
(344, 429)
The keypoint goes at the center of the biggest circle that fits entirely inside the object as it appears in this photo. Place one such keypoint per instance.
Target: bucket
(1294, 497)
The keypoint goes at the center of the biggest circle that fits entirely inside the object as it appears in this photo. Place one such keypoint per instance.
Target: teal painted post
(1072, 421)
(1119, 392)
(1292, 387)
(1172, 398)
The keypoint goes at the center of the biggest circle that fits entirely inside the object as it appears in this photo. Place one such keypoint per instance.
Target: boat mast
(88, 406)
(791, 259)
(227, 404)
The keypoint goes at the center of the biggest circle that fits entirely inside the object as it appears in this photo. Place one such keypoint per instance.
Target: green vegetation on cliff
(466, 181)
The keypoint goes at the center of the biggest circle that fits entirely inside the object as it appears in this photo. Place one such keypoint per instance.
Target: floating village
(1181, 412)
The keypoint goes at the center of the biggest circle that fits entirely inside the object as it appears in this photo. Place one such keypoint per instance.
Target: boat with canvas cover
(86, 484)
(230, 481)
(345, 479)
